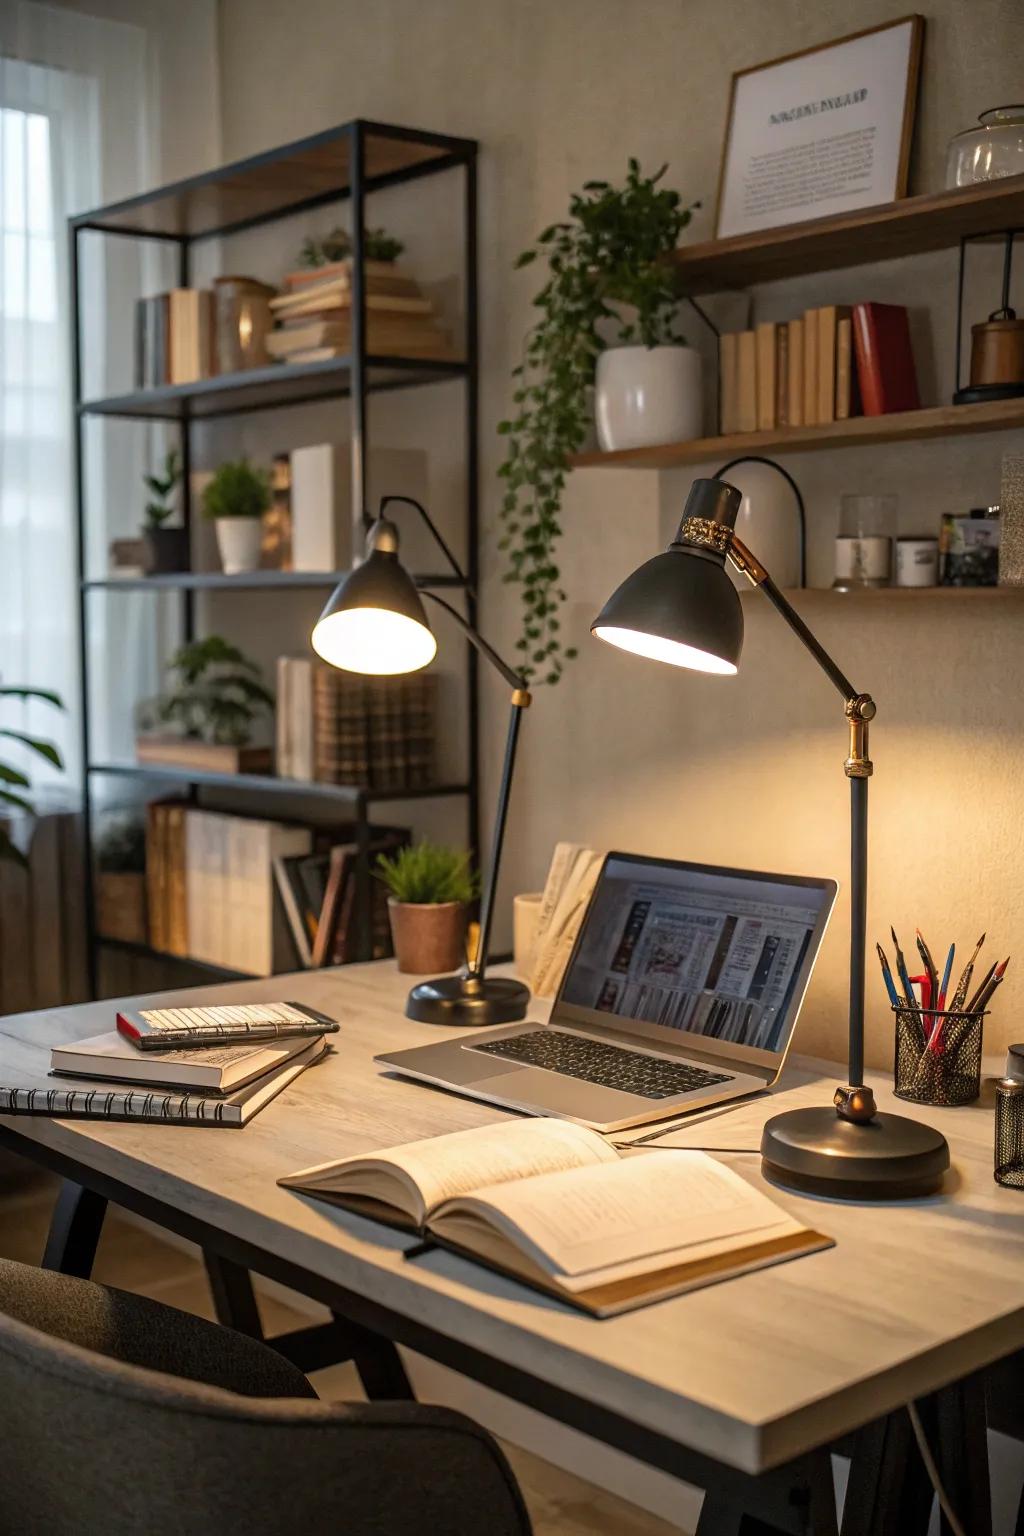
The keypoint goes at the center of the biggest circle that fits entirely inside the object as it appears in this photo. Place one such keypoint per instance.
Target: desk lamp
(682, 608)
(375, 624)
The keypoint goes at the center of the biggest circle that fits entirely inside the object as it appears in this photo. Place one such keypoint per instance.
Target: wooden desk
(721, 1386)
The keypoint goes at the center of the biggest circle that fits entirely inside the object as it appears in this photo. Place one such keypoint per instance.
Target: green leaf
(44, 748)
(8, 797)
(44, 694)
(10, 775)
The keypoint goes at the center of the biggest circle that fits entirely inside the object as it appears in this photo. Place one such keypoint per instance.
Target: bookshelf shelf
(264, 389)
(931, 222)
(252, 581)
(148, 952)
(936, 421)
(269, 784)
(349, 162)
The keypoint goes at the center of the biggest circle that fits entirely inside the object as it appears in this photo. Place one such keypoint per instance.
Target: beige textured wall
(624, 753)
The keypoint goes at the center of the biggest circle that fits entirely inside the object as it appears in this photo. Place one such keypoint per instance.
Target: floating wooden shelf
(932, 222)
(936, 421)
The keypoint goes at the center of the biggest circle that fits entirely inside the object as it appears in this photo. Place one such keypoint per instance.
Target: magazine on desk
(552, 1204)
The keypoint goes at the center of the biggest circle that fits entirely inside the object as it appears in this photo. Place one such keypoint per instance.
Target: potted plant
(607, 272)
(336, 246)
(166, 549)
(121, 880)
(235, 500)
(13, 782)
(430, 888)
(207, 719)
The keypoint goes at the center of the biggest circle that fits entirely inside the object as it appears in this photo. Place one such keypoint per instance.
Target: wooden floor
(139, 1259)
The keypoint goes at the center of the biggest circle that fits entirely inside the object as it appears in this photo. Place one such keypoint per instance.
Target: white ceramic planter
(647, 395)
(768, 522)
(238, 539)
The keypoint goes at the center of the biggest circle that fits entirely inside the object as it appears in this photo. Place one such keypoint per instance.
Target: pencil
(945, 977)
(890, 985)
(973, 1004)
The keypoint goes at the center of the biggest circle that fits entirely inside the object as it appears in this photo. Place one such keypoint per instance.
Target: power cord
(933, 1471)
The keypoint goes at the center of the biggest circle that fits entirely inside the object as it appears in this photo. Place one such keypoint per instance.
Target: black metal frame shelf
(344, 163)
(149, 952)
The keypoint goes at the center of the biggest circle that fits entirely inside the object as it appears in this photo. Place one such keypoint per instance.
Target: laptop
(682, 991)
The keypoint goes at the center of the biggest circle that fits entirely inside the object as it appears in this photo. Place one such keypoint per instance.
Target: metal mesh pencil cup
(1009, 1167)
(947, 1075)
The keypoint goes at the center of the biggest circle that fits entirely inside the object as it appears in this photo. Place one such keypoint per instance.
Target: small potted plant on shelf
(15, 784)
(207, 719)
(165, 549)
(605, 320)
(235, 500)
(336, 246)
(121, 879)
(429, 888)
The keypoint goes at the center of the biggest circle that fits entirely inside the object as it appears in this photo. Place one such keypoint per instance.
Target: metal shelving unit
(345, 163)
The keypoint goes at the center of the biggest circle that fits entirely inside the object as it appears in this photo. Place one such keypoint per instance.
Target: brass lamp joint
(859, 711)
(855, 1103)
(522, 698)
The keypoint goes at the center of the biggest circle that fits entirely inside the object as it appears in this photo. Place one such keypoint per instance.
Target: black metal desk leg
(888, 1493)
(379, 1365)
(960, 1447)
(75, 1228)
(807, 1508)
(234, 1300)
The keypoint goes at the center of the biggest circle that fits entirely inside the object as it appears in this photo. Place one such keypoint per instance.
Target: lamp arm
(760, 458)
(410, 501)
(478, 642)
(854, 1101)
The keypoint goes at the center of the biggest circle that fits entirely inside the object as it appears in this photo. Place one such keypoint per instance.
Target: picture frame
(825, 130)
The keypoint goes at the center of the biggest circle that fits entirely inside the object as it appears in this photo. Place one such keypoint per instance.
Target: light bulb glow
(657, 648)
(374, 641)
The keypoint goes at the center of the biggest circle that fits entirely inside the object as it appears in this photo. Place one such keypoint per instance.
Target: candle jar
(242, 320)
(1009, 1150)
(867, 525)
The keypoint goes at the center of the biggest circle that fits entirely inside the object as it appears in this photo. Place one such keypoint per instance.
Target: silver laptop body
(697, 972)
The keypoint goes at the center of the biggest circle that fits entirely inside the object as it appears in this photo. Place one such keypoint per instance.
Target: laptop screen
(715, 952)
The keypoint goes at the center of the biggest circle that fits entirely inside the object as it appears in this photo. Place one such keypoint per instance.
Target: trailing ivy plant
(607, 270)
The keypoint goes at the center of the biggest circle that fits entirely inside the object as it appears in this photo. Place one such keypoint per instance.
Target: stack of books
(313, 315)
(318, 894)
(201, 1066)
(338, 728)
(174, 338)
(830, 363)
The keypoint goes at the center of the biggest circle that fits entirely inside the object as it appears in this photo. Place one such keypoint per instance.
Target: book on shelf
(209, 756)
(886, 374)
(162, 1029)
(325, 298)
(174, 338)
(746, 382)
(221, 1069)
(553, 1205)
(301, 914)
(95, 1099)
(765, 372)
(379, 277)
(846, 379)
(782, 375)
(828, 317)
(386, 336)
(795, 384)
(165, 876)
(376, 732)
(334, 942)
(810, 367)
(235, 919)
(727, 361)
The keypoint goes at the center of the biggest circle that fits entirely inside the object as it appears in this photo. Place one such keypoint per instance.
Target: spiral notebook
(99, 1101)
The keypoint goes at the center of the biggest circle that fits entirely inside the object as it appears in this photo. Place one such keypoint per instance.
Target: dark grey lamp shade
(679, 607)
(375, 621)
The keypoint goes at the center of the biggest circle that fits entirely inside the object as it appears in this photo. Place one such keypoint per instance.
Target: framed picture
(820, 132)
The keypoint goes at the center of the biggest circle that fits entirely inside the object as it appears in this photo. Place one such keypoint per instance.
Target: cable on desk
(933, 1471)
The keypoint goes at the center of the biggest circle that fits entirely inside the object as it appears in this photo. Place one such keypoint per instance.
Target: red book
(885, 362)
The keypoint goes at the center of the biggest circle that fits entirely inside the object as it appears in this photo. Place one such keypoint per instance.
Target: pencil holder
(948, 1070)
(1009, 1169)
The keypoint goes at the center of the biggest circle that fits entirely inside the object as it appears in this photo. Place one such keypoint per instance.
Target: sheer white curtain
(74, 132)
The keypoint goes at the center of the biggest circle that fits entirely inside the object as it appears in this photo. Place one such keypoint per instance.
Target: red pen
(930, 1024)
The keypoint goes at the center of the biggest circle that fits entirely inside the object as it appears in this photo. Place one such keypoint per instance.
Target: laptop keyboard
(611, 1066)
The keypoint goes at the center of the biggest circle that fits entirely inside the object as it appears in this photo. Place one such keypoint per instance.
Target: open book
(553, 1205)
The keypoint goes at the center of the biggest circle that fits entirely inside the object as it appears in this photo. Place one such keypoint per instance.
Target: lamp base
(888, 1158)
(466, 1000)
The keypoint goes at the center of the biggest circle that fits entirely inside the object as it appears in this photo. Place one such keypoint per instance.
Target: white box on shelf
(327, 531)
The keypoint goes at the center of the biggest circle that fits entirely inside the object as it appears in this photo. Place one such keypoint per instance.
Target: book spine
(795, 410)
(782, 375)
(177, 894)
(766, 376)
(844, 393)
(866, 353)
(746, 382)
(282, 720)
(810, 367)
(727, 354)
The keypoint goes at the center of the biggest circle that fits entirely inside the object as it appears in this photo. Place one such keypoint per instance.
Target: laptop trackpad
(550, 1091)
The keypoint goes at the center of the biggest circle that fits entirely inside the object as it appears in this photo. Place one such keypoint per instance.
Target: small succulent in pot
(235, 500)
(430, 888)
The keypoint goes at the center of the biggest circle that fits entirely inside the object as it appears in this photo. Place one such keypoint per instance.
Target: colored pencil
(890, 985)
(945, 977)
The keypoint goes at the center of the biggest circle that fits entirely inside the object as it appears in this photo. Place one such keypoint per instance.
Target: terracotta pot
(429, 937)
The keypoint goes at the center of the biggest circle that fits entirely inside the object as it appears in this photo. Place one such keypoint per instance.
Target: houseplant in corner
(606, 318)
(235, 500)
(429, 891)
(166, 549)
(207, 719)
(14, 784)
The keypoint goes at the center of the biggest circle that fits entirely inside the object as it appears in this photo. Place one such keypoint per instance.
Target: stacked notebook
(194, 1066)
(555, 1206)
(313, 314)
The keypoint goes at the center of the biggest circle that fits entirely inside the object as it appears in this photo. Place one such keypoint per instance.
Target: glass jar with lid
(995, 148)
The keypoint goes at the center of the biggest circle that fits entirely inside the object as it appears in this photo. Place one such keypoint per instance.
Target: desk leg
(75, 1228)
(379, 1365)
(809, 1511)
(960, 1447)
(888, 1493)
(234, 1300)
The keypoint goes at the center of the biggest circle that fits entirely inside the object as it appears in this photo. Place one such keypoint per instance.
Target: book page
(442, 1167)
(595, 1219)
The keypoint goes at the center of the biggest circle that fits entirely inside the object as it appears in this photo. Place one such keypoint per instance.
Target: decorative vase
(165, 550)
(239, 540)
(647, 395)
(429, 937)
(768, 522)
(242, 323)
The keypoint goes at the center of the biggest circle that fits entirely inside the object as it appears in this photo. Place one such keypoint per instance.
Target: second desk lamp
(375, 624)
(681, 607)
